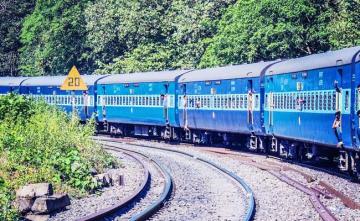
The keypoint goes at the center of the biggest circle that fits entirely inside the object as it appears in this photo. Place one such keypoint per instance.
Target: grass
(41, 143)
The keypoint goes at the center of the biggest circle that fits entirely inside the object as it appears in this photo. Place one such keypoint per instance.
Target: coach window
(316, 101)
(125, 100)
(329, 101)
(237, 101)
(325, 101)
(347, 100)
(321, 101)
(245, 101)
(308, 101)
(312, 101)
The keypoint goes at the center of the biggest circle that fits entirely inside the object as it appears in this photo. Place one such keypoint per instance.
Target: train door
(103, 109)
(184, 105)
(250, 104)
(86, 104)
(166, 103)
(337, 124)
(271, 105)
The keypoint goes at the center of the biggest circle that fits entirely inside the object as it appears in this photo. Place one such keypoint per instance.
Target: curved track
(248, 196)
(111, 212)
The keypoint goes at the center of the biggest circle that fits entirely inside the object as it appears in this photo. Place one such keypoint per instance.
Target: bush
(41, 143)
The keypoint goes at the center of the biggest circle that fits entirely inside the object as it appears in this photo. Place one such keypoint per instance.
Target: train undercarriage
(347, 160)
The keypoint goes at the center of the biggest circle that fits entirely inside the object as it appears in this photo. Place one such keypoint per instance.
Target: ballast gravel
(201, 192)
(153, 192)
(275, 200)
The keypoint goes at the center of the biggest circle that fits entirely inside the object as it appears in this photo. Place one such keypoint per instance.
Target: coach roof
(316, 61)
(59, 80)
(11, 81)
(155, 76)
(227, 72)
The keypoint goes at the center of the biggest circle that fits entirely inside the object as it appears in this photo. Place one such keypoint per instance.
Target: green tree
(12, 14)
(150, 35)
(345, 27)
(53, 38)
(252, 30)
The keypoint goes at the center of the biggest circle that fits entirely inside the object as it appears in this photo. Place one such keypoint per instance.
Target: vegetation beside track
(40, 143)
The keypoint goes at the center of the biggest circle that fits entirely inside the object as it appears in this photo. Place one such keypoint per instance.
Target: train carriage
(139, 103)
(302, 96)
(312, 101)
(48, 88)
(222, 99)
(10, 84)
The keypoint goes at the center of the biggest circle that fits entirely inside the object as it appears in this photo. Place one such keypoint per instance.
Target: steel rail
(250, 211)
(275, 170)
(101, 214)
(157, 204)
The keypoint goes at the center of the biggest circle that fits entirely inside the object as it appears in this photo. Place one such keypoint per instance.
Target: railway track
(314, 187)
(319, 192)
(191, 188)
(139, 205)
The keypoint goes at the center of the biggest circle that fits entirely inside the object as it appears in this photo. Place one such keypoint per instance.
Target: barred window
(237, 101)
(329, 101)
(347, 100)
(316, 101)
(334, 101)
(245, 101)
(308, 101)
(325, 101)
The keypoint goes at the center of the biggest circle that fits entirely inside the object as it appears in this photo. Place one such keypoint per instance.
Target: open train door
(271, 106)
(250, 105)
(338, 87)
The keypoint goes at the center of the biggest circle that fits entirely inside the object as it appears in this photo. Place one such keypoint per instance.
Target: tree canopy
(12, 14)
(254, 30)
(117, 36)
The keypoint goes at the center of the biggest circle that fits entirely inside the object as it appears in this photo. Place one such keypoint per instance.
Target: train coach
(303, 108)
(47, 88)
(10, 84)
(312, 102)
(299, 108)
(142, 104)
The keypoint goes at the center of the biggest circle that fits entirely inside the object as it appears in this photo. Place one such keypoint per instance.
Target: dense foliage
(53, 38)
(12, 13)
(40, 143)
(113, 36)
(254, 30)
(129, 36)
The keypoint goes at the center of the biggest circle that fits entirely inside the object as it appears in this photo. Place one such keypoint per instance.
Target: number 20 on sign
(73, 81)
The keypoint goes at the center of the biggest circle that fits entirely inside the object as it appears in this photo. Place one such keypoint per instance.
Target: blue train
(303, 108)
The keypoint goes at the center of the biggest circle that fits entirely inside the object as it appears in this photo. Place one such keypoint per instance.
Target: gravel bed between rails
(201, 192)
(275, 200)
(107, 197)
(335, 206)
(155, 189)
